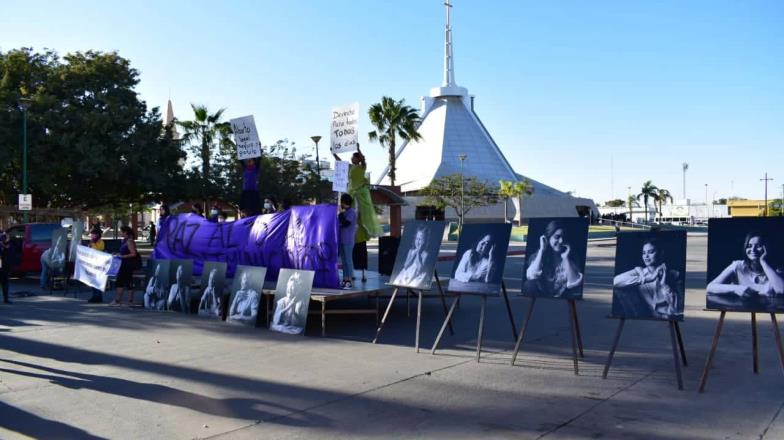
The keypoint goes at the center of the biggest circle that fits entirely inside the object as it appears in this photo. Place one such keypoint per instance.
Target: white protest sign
(340, 177)
(344, 133)
(246, 137)
(25, 202)
(94, 267)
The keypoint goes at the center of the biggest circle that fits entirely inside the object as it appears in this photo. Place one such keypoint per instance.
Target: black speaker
(387, 252)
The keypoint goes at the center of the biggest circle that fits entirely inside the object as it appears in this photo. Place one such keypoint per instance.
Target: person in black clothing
(152, 233)
(5, 264)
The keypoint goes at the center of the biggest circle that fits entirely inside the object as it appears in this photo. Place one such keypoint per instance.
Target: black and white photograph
(246, 295)
(745, 264)
(156, 286)
(417, 254)
(213, 280)
(480, 259)
(59, 248)
(180, 278)
(292, 296)
(650, 275)
(555, 257)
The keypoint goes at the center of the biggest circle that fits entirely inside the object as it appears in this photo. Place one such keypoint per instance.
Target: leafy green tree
(392, 119)
(207, 136)
(661, 197)
(92, 142)
(510, 190)
(445, 192)
(615, 203)
(648, 191)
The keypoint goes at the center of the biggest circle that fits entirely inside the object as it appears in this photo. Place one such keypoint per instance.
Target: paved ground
(73, 370)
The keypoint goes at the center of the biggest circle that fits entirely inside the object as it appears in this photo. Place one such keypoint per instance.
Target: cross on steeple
(449, 66)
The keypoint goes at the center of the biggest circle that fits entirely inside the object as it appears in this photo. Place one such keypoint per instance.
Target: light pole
(766, 180)
(462, 158)
(24, 105)
(629, 202)
(685, 167)
(316, 140)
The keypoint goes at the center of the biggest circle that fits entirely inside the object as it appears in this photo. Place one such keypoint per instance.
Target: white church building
(451, 129)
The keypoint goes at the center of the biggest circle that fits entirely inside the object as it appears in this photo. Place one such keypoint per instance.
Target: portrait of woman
(481, 255)
(179, 300)
(245, 302)
(210, 303)
(754, 282)
(553, 268)
(414, 271)
(290, 313)
(155, 292)
(653, 289)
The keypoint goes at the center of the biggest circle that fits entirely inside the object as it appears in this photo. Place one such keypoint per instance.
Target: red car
(35, 238)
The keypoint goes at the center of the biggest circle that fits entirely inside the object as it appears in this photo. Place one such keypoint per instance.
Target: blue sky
(586, 96)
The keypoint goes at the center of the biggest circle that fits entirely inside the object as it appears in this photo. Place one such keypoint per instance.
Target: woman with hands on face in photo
(655, 287)
(413, 271)
(552, 270)
(752, 276)
(477, 264)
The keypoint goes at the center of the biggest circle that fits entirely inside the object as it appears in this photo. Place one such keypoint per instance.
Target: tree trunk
(506, 210)
(392, 161)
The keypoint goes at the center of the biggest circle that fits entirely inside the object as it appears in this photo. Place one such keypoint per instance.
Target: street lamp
(316, 140)
(24, 105)
(462, 158)
(685, 167)
(766, 180)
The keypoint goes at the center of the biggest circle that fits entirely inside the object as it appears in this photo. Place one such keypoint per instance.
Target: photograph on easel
(180, 276)
(213, 280)
(156, 288)
(649, 281)
(292, 297)
(417, 254)
(746, 264)
(480, 259)
(245, 299)
(555, 257)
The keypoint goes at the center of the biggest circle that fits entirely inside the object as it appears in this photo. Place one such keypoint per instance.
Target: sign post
(246, 137)
(25, 202)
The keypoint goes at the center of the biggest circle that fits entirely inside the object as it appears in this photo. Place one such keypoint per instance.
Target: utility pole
(766, 180)
(685, 167)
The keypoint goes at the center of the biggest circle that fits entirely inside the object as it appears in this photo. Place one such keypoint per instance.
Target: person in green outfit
(367, 221)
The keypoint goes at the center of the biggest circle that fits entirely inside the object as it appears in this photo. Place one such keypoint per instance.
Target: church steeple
(448, 87)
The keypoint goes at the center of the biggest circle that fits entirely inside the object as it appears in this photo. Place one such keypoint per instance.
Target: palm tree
(391, 119)
(509, 190)
(205, 134)
(661, 197)
(648, 191)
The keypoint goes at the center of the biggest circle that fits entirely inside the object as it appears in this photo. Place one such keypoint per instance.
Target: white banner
(340, 177)
(94, 267)
(344, 133)
(246, 137)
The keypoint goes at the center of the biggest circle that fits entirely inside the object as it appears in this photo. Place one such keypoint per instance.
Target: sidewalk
(74, 370)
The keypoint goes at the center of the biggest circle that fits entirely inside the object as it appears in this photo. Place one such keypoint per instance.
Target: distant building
(168, 118)
(747, 208)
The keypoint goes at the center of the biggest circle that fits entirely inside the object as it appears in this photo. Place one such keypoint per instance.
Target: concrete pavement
(73, 370)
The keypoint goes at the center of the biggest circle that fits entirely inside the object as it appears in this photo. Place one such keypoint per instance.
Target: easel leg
(386, 313)
(715, 344)
(680, 343)
(323, 318)
(444, 325)
(573, 331)
(481, 328)
(573, 308)
(754, 345)
(777, 333)
(522, 330)
(674, 341)
(614, 346)
(509, 310)
(408, 303)
(443, 301)
(419, 319)
(378, 300)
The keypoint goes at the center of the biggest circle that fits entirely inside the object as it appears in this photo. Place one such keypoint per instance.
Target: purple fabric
(250, 178)
(347, 233)
(303, 237)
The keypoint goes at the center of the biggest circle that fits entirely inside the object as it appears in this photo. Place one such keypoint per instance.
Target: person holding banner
(96, 243)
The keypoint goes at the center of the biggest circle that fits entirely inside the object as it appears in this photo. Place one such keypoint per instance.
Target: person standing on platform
(348, 228)
(250, 201)
(367, 221)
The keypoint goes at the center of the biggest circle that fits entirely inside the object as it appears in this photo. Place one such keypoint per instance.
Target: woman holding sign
(250, 201)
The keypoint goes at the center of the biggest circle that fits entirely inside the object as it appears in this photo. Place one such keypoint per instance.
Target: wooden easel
(480, 331)
(754, 350)
(419, 294)
(574, 324)
(677, 345)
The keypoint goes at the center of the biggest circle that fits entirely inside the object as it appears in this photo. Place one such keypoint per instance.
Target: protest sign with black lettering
(246, 137)
(345, 128)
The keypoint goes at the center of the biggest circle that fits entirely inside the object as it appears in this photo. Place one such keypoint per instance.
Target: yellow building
(746, 208)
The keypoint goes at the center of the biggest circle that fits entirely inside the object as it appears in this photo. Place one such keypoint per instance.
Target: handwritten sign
(344, 133)
(246, 137)
(340, 177)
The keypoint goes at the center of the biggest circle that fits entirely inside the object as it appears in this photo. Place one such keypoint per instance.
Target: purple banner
(303, 237)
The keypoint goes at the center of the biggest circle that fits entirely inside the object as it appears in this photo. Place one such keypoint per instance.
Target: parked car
(35, 239)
